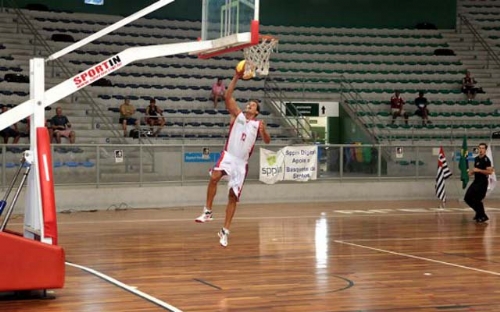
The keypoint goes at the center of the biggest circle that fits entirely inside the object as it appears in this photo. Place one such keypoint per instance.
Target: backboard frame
(231, 38)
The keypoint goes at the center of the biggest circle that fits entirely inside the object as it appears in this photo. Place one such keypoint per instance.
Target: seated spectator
(397, 104)
(11, 131)
(469, 86)
(127, 110)
(60, 127)
(26, 131)
(154, 117)
(27, 121)
(422, 110)
(218, 91)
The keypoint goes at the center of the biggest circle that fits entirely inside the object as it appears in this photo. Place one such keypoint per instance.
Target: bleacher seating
(375, 62)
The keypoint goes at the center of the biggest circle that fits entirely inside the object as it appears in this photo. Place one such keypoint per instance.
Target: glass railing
(141, 164)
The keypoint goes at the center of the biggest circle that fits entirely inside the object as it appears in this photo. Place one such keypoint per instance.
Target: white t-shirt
(242, 136)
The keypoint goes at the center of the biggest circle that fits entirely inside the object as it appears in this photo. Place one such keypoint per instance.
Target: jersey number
(243, 136)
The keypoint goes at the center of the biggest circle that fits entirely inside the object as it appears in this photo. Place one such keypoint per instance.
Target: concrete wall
(193, 195)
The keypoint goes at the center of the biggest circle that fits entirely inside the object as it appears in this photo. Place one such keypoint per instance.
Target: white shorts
(235, 171)
(65, 133)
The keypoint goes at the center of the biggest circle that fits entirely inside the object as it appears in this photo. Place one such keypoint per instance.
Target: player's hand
(238, 75)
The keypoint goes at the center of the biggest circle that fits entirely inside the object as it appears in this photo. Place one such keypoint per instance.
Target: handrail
(360, 105)
(477, 36)
(96, 109)
(290, 114)
(346, 92)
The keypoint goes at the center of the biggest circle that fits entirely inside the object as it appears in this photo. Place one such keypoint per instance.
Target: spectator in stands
(60, 127)
(127, 110)
(397, 104)
(11, 131)
(469, 86)
(218, 91)
(27, 122)
(154, 117)
(422, 110)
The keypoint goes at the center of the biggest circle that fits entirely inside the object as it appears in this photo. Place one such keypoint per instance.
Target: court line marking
(420, 238)
(328, 216)
(126, 287)
(207, 283)
(418, 258)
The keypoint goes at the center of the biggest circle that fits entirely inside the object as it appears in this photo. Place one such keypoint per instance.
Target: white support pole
(204, 20)
(33, 216)
(98, 71)
(155, 6)
(256, 10)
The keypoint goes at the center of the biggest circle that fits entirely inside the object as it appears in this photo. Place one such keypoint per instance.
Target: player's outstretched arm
(231, 105)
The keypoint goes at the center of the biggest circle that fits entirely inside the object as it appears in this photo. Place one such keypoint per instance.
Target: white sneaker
(223, 235)
(205, 216)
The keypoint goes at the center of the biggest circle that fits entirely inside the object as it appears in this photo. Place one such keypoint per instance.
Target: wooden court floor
(358, 256)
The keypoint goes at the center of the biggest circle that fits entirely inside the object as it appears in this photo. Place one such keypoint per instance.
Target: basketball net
(258, 55)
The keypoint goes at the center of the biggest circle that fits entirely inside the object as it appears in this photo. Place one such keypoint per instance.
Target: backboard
(230, 24)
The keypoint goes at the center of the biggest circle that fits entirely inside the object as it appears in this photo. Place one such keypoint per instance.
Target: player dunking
(233, 162)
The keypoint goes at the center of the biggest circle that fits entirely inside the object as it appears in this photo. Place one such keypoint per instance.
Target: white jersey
(242, 136)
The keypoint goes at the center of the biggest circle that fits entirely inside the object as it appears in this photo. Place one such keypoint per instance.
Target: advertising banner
(291, 163)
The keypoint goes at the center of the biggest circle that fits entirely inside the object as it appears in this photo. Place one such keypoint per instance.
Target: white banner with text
(291, 163)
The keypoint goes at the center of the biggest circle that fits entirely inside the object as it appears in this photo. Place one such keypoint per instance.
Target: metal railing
(325, 87)
(289, 114)
(105, 164)
(491, 55)
(353, 103)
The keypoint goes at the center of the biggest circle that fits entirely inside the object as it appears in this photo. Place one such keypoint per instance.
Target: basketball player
(477, 190)
(233, 162)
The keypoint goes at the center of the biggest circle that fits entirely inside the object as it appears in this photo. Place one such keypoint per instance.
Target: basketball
(244, 70)
(240, 68)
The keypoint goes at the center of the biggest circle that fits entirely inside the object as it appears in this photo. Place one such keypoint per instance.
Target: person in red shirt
(397, 104)
(218, 91)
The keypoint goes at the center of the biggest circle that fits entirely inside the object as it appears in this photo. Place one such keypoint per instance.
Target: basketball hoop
(258, 55)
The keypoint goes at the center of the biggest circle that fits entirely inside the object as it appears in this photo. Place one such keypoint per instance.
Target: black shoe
(475, 218)
(482, 219)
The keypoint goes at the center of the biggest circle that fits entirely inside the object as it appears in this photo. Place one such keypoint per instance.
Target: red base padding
(26, 264)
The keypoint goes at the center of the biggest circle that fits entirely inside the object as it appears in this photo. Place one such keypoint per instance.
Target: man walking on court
(233, 162)
(477, 190)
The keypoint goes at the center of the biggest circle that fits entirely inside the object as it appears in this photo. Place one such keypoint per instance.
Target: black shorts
(130, 121)
(469, 90)
(477, 190)
(9, 132)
